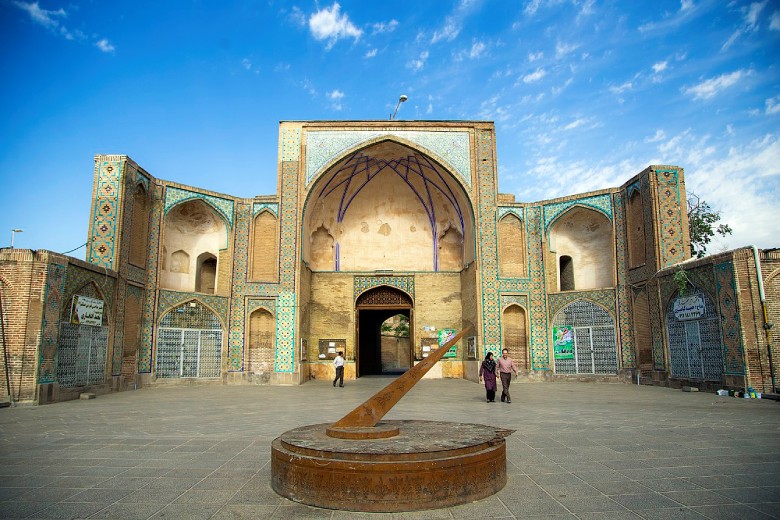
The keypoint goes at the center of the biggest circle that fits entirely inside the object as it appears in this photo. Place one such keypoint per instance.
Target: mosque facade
(379, 227)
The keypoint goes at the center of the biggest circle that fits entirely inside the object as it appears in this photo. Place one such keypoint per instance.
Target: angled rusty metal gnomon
(361, 422)
(360, 463)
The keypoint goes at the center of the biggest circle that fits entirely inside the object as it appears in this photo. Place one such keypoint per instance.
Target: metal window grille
(595, 348)
(81, 355)
(189, 343)
(695, 350)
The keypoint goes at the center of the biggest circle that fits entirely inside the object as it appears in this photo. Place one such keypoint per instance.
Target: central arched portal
(384, 317)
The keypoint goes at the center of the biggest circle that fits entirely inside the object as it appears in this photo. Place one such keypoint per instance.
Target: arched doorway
(372, 309)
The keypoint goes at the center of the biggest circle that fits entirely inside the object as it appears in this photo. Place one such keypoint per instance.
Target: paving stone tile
(70, 510)
(245, 512)
(129, 511)
(525, 508)
(490, 507)
(595, 504)
(177, 511)
(287, 512)
(639, 501)
(698, 497)
(731, 512)
(669, 484)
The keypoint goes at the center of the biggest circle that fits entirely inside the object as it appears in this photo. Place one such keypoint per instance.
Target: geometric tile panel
(257, 207)
(514, 299)
(106, 210)
(503, 210)
(605, 298)
(50, 326)
(670, 206)
(729, 319)
(540, 352)
(288, 250)
(450, 148)
(152, 251)
(364, 283)
(602, 203)
(657, 328)
(169, 299)
(174, 196)
(491, 323)
(624, 318)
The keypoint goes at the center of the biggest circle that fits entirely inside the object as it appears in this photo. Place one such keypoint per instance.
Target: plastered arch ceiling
(388, 206)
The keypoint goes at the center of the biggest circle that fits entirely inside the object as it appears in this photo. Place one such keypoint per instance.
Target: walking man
(339, 364)
(505, 369)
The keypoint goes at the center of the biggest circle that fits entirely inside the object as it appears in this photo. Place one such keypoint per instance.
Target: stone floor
(586, 451)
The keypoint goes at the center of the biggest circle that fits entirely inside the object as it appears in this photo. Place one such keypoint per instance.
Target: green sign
(444, 336)
(563, 345)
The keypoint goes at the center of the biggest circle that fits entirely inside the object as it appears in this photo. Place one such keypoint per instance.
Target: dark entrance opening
(389, 352)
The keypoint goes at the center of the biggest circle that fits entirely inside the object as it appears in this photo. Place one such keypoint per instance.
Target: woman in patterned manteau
(487, 371)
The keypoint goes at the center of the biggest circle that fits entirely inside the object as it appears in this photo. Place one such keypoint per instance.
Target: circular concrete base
(428, 465)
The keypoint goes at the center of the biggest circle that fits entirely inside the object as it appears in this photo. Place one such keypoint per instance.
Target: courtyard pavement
(580, 451)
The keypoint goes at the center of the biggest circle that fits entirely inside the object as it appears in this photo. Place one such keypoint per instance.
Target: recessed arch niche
(387, 206)
(582, 244)
(195, 233)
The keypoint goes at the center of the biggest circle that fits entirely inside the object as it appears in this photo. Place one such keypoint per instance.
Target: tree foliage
(703, 224)
(400, 329)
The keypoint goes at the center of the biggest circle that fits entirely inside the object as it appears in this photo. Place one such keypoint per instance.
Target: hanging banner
(444, 336)
(689, 307)
(564, 345)
(86, 311)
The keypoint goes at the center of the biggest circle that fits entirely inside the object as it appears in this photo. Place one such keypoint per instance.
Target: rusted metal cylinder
(428, 465)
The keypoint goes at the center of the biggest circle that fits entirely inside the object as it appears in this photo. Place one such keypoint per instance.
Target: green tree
(702, 220)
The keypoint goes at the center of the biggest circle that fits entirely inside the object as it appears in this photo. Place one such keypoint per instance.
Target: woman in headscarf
(487, 371)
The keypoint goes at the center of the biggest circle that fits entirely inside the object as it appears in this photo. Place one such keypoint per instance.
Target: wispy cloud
(773, 106)
(534, 76)
(709, 88)
(384, 27)
(535, 56)
(562, 49)
(660, 135)
(453, 22)
(774, 21)
(105, 46)
(750, 23)
(335, 96)
(419, 63)
(477, 49)
(619, 89)
(688, 10)
(331, 26)
(574, 124)
(371, 53)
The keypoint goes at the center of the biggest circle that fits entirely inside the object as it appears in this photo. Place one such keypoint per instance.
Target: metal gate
(81, 355)
(695, 350)
(595, 348)
(189, 343)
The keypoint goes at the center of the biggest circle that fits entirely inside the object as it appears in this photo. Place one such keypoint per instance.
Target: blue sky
(584, 94)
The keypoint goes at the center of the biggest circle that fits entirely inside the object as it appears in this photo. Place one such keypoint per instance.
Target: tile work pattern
(580, 451)
(451, 148)
(733, 350)
(101, 246)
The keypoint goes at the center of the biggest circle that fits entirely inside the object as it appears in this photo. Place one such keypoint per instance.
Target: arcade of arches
(384, 238)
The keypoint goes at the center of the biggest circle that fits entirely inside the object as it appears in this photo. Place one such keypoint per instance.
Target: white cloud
(562, 49)
(531, 7)
(773, 106)
(309, 88)
(330, 25)
(297, 16)
(419, 63)
(371, 53)
(477, 49)
(384, 27)
(688, 10)
(709, 88)
(105, 46)
(628, 85)
(449, 32)
(44, 17)
(534, 76)
(430, 109)
(246, 63)
(335, 96)
(574, 124)
(532, 57)
(686, 4)
(750, 15)
(660, 66)
(660, 135)
(774, 21)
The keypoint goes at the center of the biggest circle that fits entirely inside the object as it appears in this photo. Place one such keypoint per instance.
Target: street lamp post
(14, 232)
(400, 100)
